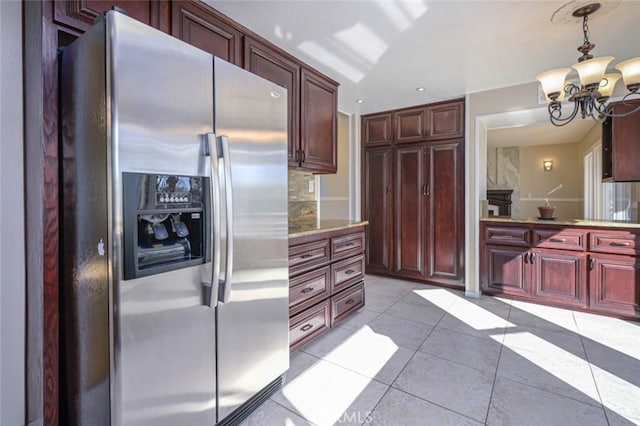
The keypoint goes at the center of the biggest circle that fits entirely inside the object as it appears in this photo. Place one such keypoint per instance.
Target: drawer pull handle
(306, 327)
(349, 271)
(306, 290)
(505, 237)
(349, 302)
(617, 244)
(306, 256)
(350, 244)
(557, 240)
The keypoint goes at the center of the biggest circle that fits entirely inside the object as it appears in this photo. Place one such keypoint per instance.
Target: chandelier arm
(555, 114)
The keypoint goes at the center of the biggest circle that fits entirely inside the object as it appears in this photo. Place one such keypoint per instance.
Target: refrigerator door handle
(210, 288)
(225, 288)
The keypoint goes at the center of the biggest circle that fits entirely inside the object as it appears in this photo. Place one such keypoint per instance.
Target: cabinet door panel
(445, 197)
(446, 121)
(504, 271)
(410, 125)
(318, 121)
(615, 284)
(559, 276)
(410, 192)
(265, 62)
(377, 208)
(376, 129)
(203, 29)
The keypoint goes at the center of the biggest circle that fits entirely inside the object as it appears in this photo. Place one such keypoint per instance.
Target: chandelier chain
(585, 28)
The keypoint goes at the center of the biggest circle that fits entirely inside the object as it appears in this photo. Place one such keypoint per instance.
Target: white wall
(334, 188)
(12, 273)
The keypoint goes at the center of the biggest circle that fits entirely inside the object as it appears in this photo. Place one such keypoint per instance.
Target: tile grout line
(495, 374)
(593, 376)
(293, 412)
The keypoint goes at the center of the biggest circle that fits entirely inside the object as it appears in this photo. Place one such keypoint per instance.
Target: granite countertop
(564, 222)
(300, 229)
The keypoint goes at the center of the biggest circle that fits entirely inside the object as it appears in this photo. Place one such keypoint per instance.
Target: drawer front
(615, 243)
(307, 289)
(347, 246)
(305, 256)
(346, 272)
(347, 302)
(308, 324)
(511, 236)
(560, 239)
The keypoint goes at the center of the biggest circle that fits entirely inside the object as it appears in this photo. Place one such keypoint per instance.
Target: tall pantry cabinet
(413, 192)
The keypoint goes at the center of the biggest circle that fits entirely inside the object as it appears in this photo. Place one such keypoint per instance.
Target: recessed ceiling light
(420, 89)
(360, 101)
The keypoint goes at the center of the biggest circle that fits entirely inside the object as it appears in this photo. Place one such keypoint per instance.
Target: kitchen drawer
(347, 246)
(347, 302)
(346, 272)
(510, 236)
(308, 289)
(308, 324)
(615, 243)
(305, 256)
(560, 239)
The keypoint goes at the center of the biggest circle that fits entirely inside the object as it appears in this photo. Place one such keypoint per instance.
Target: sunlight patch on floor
(323, 392)
(555, 361)
(474, 316)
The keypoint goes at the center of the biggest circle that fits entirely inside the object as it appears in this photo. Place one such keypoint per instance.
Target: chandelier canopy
(596, 86)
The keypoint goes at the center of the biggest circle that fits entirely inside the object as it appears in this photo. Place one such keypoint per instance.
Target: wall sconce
(548, 165)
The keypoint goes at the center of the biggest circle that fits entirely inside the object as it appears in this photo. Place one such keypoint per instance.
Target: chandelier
(590, 97)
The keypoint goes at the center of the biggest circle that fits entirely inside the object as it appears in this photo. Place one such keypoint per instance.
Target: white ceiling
(542, 133)
(381, 50)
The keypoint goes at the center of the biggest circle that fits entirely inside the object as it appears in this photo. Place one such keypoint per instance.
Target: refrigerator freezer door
(253, 323)
(161, 112)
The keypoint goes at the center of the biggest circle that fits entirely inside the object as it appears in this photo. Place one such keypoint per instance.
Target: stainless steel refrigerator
(174, 288)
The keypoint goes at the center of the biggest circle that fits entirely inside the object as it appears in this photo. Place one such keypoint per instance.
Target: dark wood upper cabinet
(432, 122)
(82, 14)
(318, 123)
(313, 106)
(445, 121)
(410, 125)
(621, 144)
(260, 59)
(376, 129)
(202, 27)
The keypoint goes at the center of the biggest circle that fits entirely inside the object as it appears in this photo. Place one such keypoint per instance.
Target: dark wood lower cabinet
(559, 276)
(504, 270)
(325, 286)
(570, 267)
(615, 284)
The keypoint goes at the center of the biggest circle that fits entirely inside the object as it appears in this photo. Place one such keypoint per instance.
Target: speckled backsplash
(303, 206)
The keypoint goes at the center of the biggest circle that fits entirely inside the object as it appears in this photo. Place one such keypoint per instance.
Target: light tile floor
(424, 355)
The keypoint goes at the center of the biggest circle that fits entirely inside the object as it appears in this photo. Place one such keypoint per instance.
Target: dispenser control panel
(165, 222)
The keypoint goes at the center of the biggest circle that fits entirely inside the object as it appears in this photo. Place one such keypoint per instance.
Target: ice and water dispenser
(165, 223)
